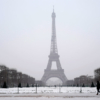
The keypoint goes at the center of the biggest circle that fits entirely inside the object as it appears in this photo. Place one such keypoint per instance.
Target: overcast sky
(25, 35)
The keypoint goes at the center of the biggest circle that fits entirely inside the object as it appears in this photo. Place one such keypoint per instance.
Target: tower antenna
(53, 8)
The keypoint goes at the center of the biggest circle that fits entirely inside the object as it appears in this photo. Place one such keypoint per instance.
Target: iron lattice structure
(53, 39)
(54, 57)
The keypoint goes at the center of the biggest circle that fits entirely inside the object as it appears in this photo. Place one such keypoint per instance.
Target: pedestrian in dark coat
(98, 87)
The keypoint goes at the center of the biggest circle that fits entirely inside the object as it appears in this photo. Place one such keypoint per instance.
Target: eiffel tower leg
(58, 64)
(49, 65)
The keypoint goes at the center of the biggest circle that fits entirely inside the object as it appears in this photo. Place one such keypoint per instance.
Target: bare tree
(97, 74)
(13, 78)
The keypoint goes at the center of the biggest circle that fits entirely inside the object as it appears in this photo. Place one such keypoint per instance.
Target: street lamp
(36, 86)
(59, 88)
(18, 83)
(80, 86)
(87, 81)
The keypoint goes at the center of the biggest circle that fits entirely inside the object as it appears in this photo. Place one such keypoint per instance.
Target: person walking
(98, 87)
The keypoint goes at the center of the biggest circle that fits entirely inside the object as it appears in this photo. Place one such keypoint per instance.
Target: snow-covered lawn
(51, 96)
(49, 90)
(46, 98)
(49, 93)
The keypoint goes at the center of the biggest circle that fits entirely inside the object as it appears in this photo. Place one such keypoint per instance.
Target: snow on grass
(48, 90)
(47, 98)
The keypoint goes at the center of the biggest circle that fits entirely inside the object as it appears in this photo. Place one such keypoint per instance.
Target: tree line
(97, 74)
(13, 78)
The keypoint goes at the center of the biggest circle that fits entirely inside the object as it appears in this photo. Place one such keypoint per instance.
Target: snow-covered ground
(49, 90)
(43, 98)
(49, 93)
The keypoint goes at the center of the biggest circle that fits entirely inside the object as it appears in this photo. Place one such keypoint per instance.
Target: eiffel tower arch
(54, 57)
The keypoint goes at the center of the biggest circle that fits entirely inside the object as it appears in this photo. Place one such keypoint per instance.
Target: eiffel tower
(54, 57)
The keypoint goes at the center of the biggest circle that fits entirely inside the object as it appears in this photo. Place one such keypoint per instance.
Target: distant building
(76, 81)
(39, 83)
(70, 82)
(83, 79)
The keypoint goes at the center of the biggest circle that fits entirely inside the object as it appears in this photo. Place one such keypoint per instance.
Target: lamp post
(80, 86)
(18, 83)
(36, 86)
(87, 80)
(59, 88)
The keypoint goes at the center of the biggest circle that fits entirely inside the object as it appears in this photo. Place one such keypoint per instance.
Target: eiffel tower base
(54, 73)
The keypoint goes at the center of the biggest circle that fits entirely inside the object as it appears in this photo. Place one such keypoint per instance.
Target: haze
(25, 35)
